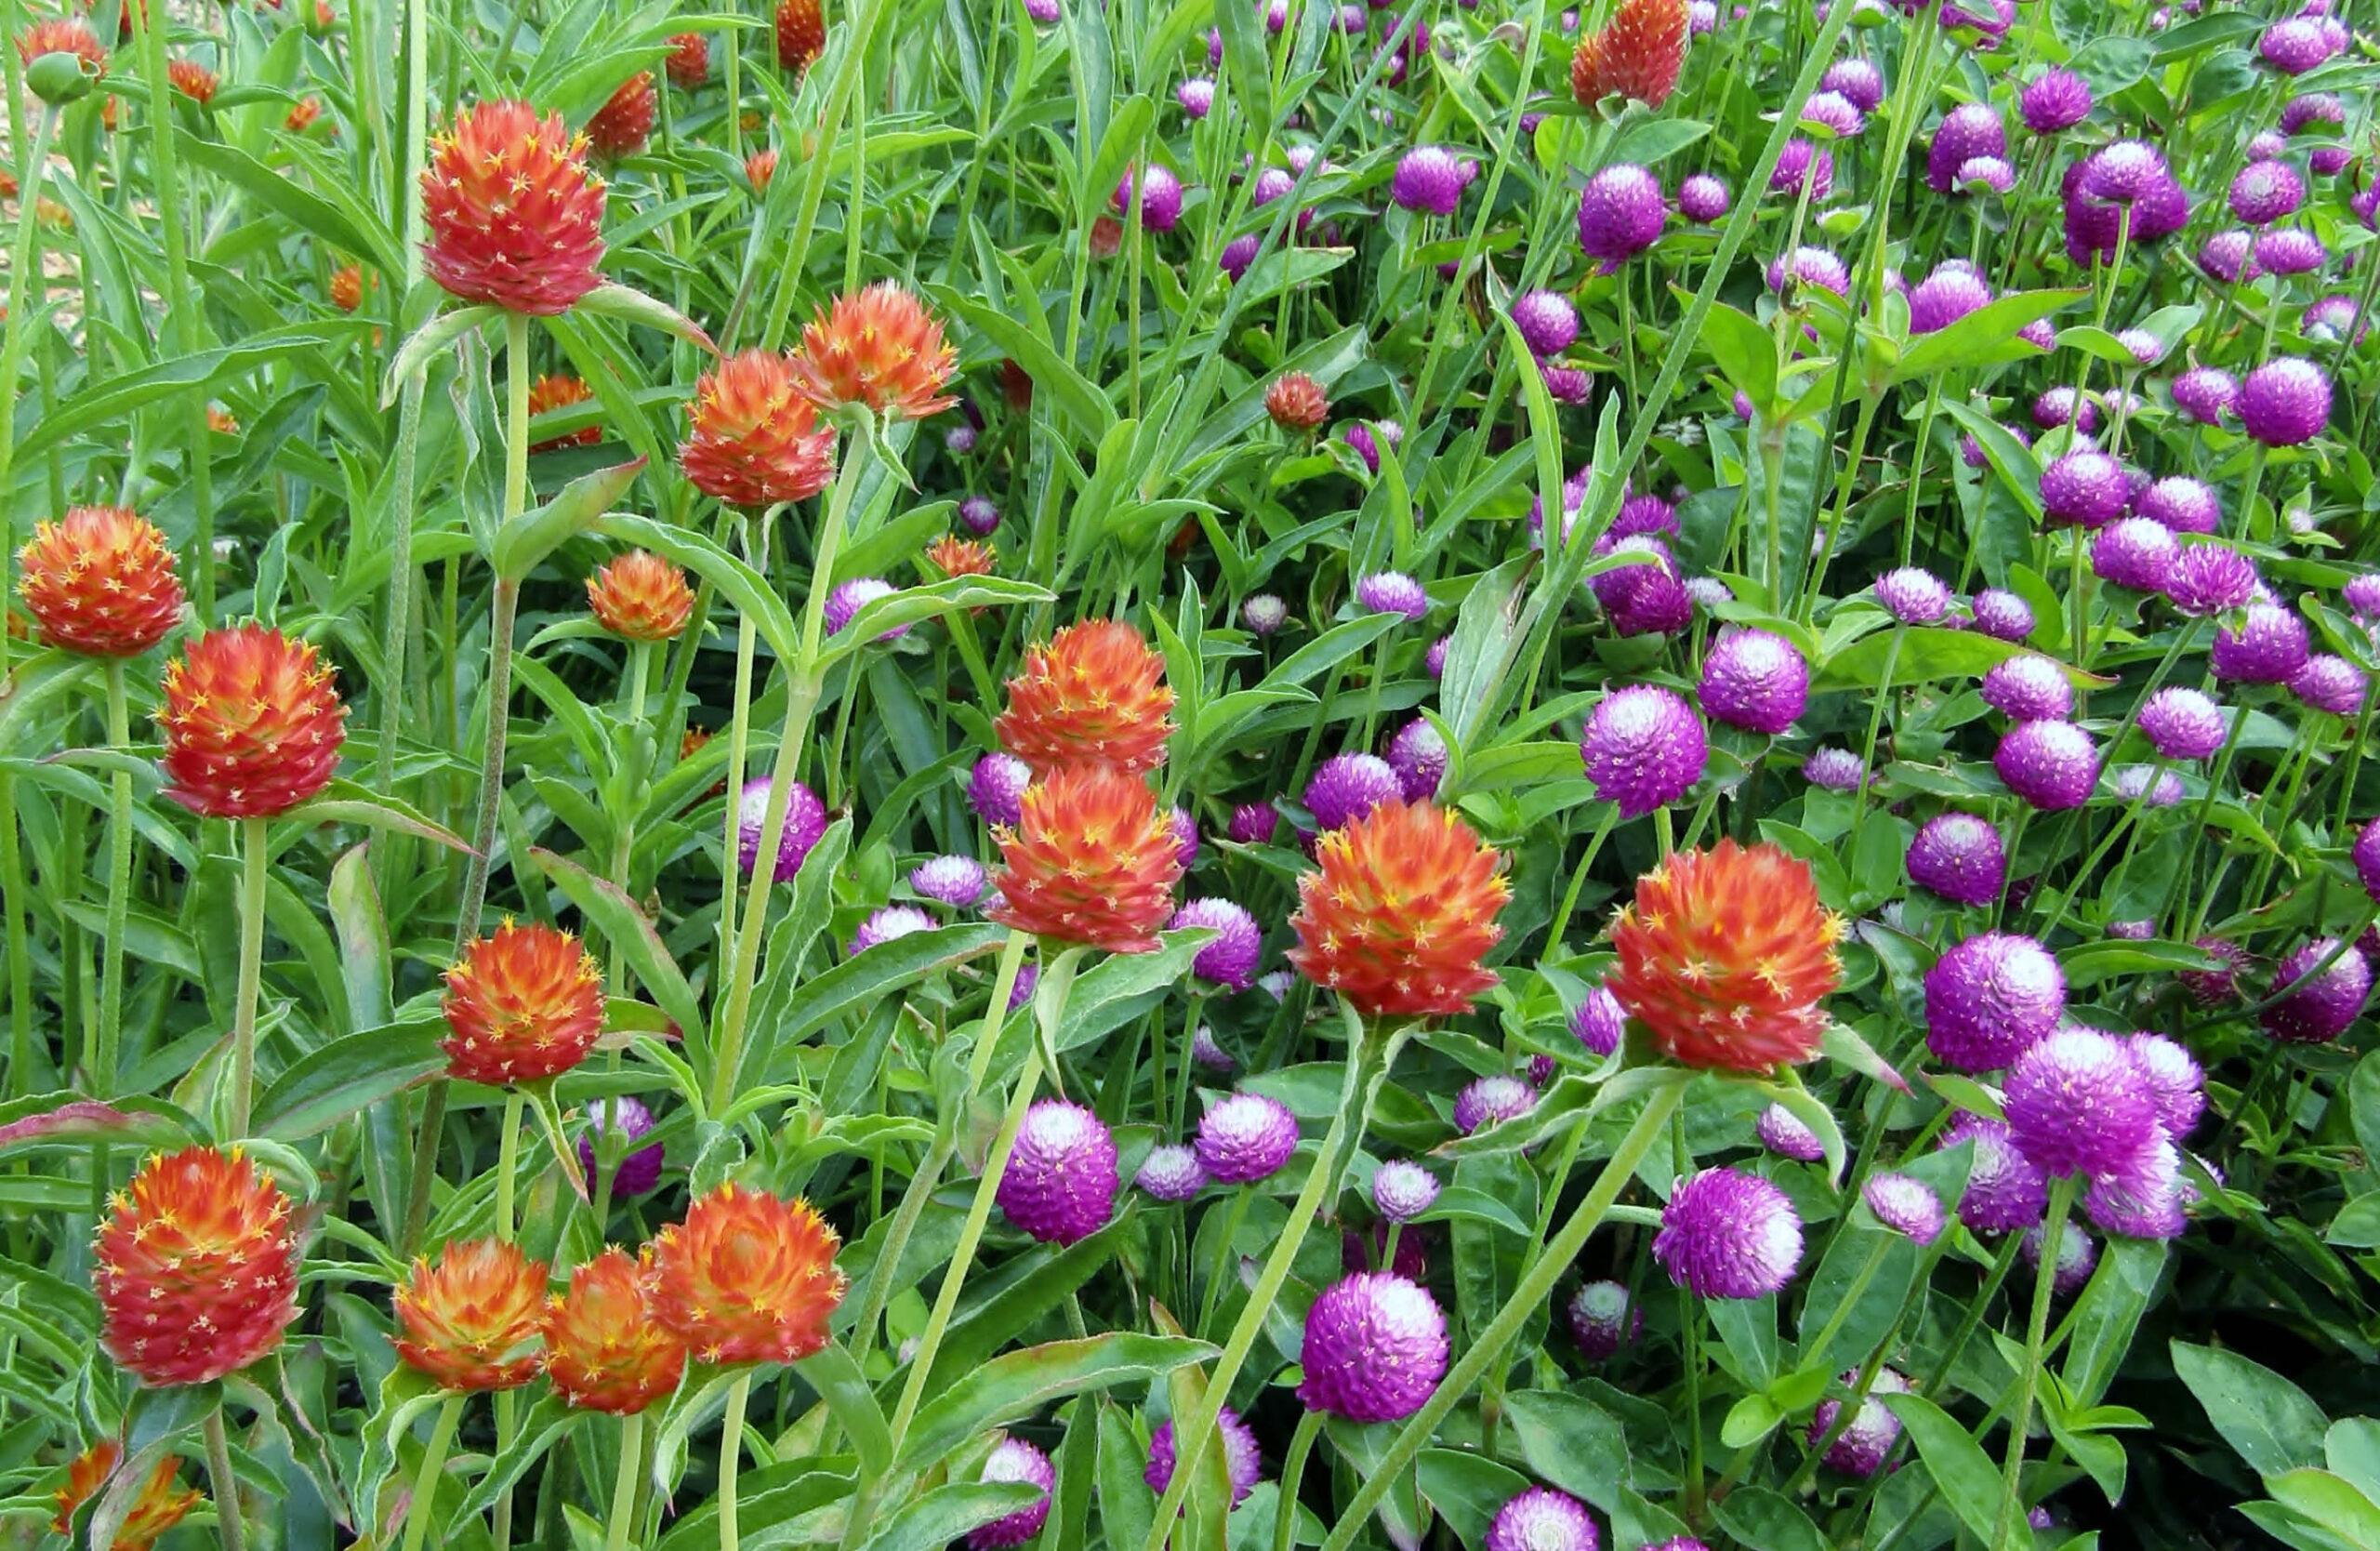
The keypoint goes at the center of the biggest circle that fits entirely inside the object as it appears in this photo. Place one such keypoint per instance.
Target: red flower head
(192, 80)
(619, 128)
(1638, 54)
(521, 1005)
(759, 167)
(100, 582)
(471, 1321)
(954, 556)
(516, 217)
(689, 62)
(561, 392)
(1095, 694)
(641, 596)
(157, 1509)
(1400, 911)
(753, 440)
(347, 293)
(1092, 859)
(1725, 956)
(1296, 401)
(252, 724)
(196, 1268)
(604, 1348)
(747, 1278)
(801, 34)
(301, 118)
(880, 348)
(58, 34)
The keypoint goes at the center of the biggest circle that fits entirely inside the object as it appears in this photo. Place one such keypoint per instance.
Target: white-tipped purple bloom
(1904, 1204)
(805, 821)
(1959, 856)
(2029, 687)
(2210, 579)
(1429, 180)
(1264, 613)
(1621, 213)
(1230, 959)
(1197, 96)
(1858, 81)
(1754, 679)
(2285, 401)
(884, 925)
(982, 518)
(1014, 1460)
(1913, 595)
(2135, 552)
(1060, 1183)
(1160, 196)
(1643, 748)
(1346, 787)
(1374, 1350)
(2003, 615)
(1952, 292)
(2268, 648)
(2206, 393)
(1243, 1458)
(952, 880)
(2053, 100)
(2085, 489)
(2051, 765)
(1603, 1321)
(2182, 724)
(1392, 592)
(853, 595)
(1600, 1022)
(2005, 1192)
(1862, 1447)
(995, 788)
(2078, 1103)
(1835, 769)
(2181, 504)
(1418, 754)
(1702, 199)
(1171, 1172)
(1547, 321)
(1246, 1137)
(1788, 1135)
(1488, 1100)
(1728, 1234)
(1541, 1519)
(2330, 683)
(1402, 1191)
(2326, 1005)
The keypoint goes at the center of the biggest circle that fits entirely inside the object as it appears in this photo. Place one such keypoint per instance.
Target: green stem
(731, 1455)
(1236, 1214)
(1973, 1318)
(508, 1163)
(433, 1460)
(500, 644)
(1689, 1322)
(24, 262)
(425, 1164)
(228, 1528)
(12, 921)
(2020, 1422)
(739, 734)
(180, 304)
(111, 1034)
(401, 567)
(623, 1484)
(243, 1027)
(1285, 1506)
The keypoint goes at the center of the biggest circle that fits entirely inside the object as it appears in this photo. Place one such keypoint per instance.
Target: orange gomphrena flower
(196, 1268)
(100, 581)
(689, 61)
(252, 724)
(759, 167)
(604, 1349)
(471, 1321)
(801, 34)
(1724, 957)
(157, 1509)
(559, 392)
(1638, 54)
(1399, 911)
(221, 420)
(192, 80)
(516, 217)
(954, 556)
(301, 118)
(880, 348)
(752, 439)
(1296, 401)
(747, 1278)
(523, 1005)
(347, 291)
(641, 596)
(1095, 694)
(1092, 860)
(619, 128)
(59, 34)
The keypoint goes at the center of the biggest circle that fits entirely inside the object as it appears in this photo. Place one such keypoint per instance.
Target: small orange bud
(954, 556)
(560, 393)
(689, 64)
(1296, 401)
(622, 125)
(100, 582)
(752, 439)
(157, 1509)
(641, 596)
(192, 80)
(301, 118)
(759, 167)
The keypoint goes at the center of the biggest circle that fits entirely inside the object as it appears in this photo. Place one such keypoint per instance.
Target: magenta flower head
(2331, 319)
(1603, 1321)
(2135, 552)
(2053, 100)
(1643, 748)
(1788, 1135)
(2322, 1009)
(805, 821)
(628, 1118)
(2220, 984)
(1702, 199)
(1904, 1204)
(2268, 648)
(1979, 175)
(2285, 401)
(1858, 82)
(2004, 1191)
(1392, 592)
(1600, 1022)
(1807, 267)
(1429, 180)
(1264, 613)
(1959, 856)
(1835, 769)
(1803, 163)
(1621, 213)
(1197, 96)
(1239, 253)
(1418, 754)
(2362, 595)
(892, 921)
(2266, 191)
(1755, 681)
(2051, 765)
(1642, 598)
(2078, 1103)
(2123, 172)
(1230, 959)
(2142, 1202)
(1968, 130)
(2084, 489)
(2029, 687)
(2229, 256)
(1728, 1234)
(1253, 823)
(1542, 1519)
(1863, 1446)
(1015, 1460)
(2003, 615)
(1243, 1460)
(1245, 1137)
(1546, 319)
(953, 879)
(2182, 724)
(1375, 1348)
(2296, 46)
(983, 519)
(2182, 504)
(2290, 250)
(2365, 853)
(2329, 683)
(2077, 1253)
(2059, 406)
(1160, 198)
(2176, 1082)
(2210, 579)
(1952, 292)
(1061, 1182)
(1488, 1100)
(1989, 999)
(1836, 112)
(2159, 789)
(1171, 1172)
(1207, 1054)
(1346, 787)
(1913, 595)
(2206, 393)
(997, 788)
(855, 595)
(1402, 1191)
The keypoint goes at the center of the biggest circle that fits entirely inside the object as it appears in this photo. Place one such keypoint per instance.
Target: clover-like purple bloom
(1374, 1350)
(1197, 96)
(1160, 198)
(1392, 592)
(1905, 1204)
(1835, 769)
(1230, 959)
(1171, 1172)
(1264, 613)
(805, 821)
(1702, 199)
(2210, 579)
(995, 788)
(1959, 856)
(2084, 489)
(1643, 748)
(1547, 321)
(1541, 1519)
(2365, 853)
(2329, 683)
(952, 880)
(1858, 81)
(1788, 1135)
(1428, 181)
(2053, 100)
(1621, 213)
(1246, 1137)
(1862, 1447)
(1402, 1191)
(2285, 401)
(1488, 1100)
(1253, 823)
(982, 518)
(1989, 999)
(2326, 1005)
(1015, 1460)
(1061, 1181)
(2029, 687)
(2182, 724)
(2078, 1103)
(2005, 1192)
(853, 595)
(1728, 1234)
(2268, 648)
(2077, 1253)
(890, 922)
(2176, 1082)
(1953, 291)
(1968, 130)
(2182, 504)
(1600, 1022)
(2206, 393)
(2003, 615)
(1754, 679)
(2135, 552)
(2297, 45)
(2051, 765)
(1913, 595)
(1603, 1319)
(626, 1118)
(1346, 787)
(2266, 191)
(1243, 1458)
(1418, 754)
(1642, 598)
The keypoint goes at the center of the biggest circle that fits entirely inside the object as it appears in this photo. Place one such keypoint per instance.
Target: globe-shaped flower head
(2135, 552)
(1061, 1181)
(2265, 191)
(1858, 81)
(2176, 1082)
(1599, 1022)
(2029, 687)
(1702, 199)
(1643, 748)
(2210, 579)
(1959, 856)
(2182, 724)
(1392, 592)
(2055, 100)
(2006, 1192)
(752, 440)
(604, 1348)
(251, 722)
(1728, 1234)
(1621, 213)
(1989, 999)
(195, 1267)
(748, 1277)
(1091, 860)
(1243, 1458)
(2268, 648)
(640, 597)
(1952, 292)
(1754, 679)
(876, 346)
(2181, 504)
(514, 215)
(521, 1005)
(2078, 1103)
(995, 787)
(1095, 693)
(1542, 1519)
(1230, 960)
(2085, 489)
(1346, 787)
(1904, 1204)
(953, 879)
(1788, 1135)
(1399, 912)
(1418, 754)
(100, 581)
(1490, 1100)
(1913, 595)
(2326, 1005)
(2297, 45)
(1245, 1137)
(1015, 1460)
(1636, 55)
(1374, 1350)
(1603, 1319)
(471, 1320)
(2123, 172)
(1402, 1191)
(1969, 130)
(2206, 393)
(805, 822)
(1547, 321)
(1861, 1448)
(2366, 854)
(2051, 765)
(2285, 401)
(1160, 195)
(1428, 181)
(2003, 615)
(2330, 683)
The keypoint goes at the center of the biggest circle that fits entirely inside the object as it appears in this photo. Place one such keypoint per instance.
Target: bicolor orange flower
(1724, 957)
(560, 391)
(1096, 694)
(196, 1268)
(252, 724)
(879, 347)
(1638, 54)
(521, 1005)
(61, 34)
(641, 596)
(472, 1321)
(192, 80)
(689, 62)
(954, 556)
(301, 118)
(1092, 859)
(761, 167)
(1296, 401)
(221, 420)
(752, 439)
(747, 1278)
(1400, 911)
(604, 1349)
(515, 214)
(347, 293)
(100, 581)
(620, 127)
(157, 1509)
(801, 34)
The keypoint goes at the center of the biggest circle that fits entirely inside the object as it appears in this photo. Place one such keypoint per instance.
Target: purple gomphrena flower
(1643, 748)
(2051, 765)
(1541, 1519)
(2210, 579)
(2134, 931)
(1644, 598)
(2059, 406)
(2003, 615)
(1197, 96)
(1709, 591)
(628, 1118)
(1418, 754)
(884, 925)
(2362, 595)
(1402, 1191)
(1603, 1321)
(1755, 681)
(2004, 1191)
(2078, 1103)
(2331, 319)
(1968, 130)
(1600, 1022)
(2322, 1008)
(2135, 552)
(1346, 787)
(1904, 1204)
(1803, 163)
(2176, 1082)
(1027, 978)
(1952, 292)
(1243, 1460)
(2042, 337)
(2365, 853)
(1263, 613)
(1836, 112)
(2077, 1253)
(2084, 489)
(2029, 687)
(1835, 769)
(1490, 1100)
(1359, 436)
(2314, 108)
(1989, 999)
(1788, 1135)
(1810, 266)
(1245, 1137)
(1239, 254)
(1185, 836)
(2182, 504)
(2266, 191)
(2143, 1200)
(1060, 1183)
(1428, 181)
(1986, 174)
(1567, 384)
(2290, 250)
(2329, 683)
(1621, 213)
(2182, 724)
(1728, 1234)
(2053, 100)
(2123, 172)
(1702, 199)
(2146, 347)
(1171, 1172)
(805, 820)
(1646, 513)
(952, 880)
(1546, 319)
(982, 517)
(1392, 592)
(1230, 960)
(1863, 1446)
(1913, 595)
(1959, 856)
(1160, 198)
(2157, 789)
(1015, 1460)
(2284, 402)
(1253, 823)
(1375, 1348)
(2296, 46)
(1044, 12)
(997, 788)
(2268, 648)
(960, 440)
(2213, 987)
(1858, 81)
(1207, 1053)
(2231, 257)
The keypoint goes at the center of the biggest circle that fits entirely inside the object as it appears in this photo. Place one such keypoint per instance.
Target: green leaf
(630, 305)
(1744, 352)
(2269, 1421)
(2363, 1103)
(201, 372)
(947, 1512)
(432, 339)
(1879, 1308)
(1051, 372)
(910, 606)
(530, 537)
(342, 223)
(1752, 1418)
(766, 1498)
(1572, 1442)
(63, 1119)
(1016, 1384)
(2352, 1449)
(1970, 1482)
(1126, 1505)
(1466, 1490)
(2357, 1225)
(1463, 1202)
(2330, 1502)
(879, 971)
(1016, 1302)
(623, 925)
(1764, 1520)
(345, 802)
(2109, 1313)
(1927, 655)
(363, 936)
(1656, 139)
(352, 1072)
(835, 1375)
(547, 1423)
(1984, 336)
